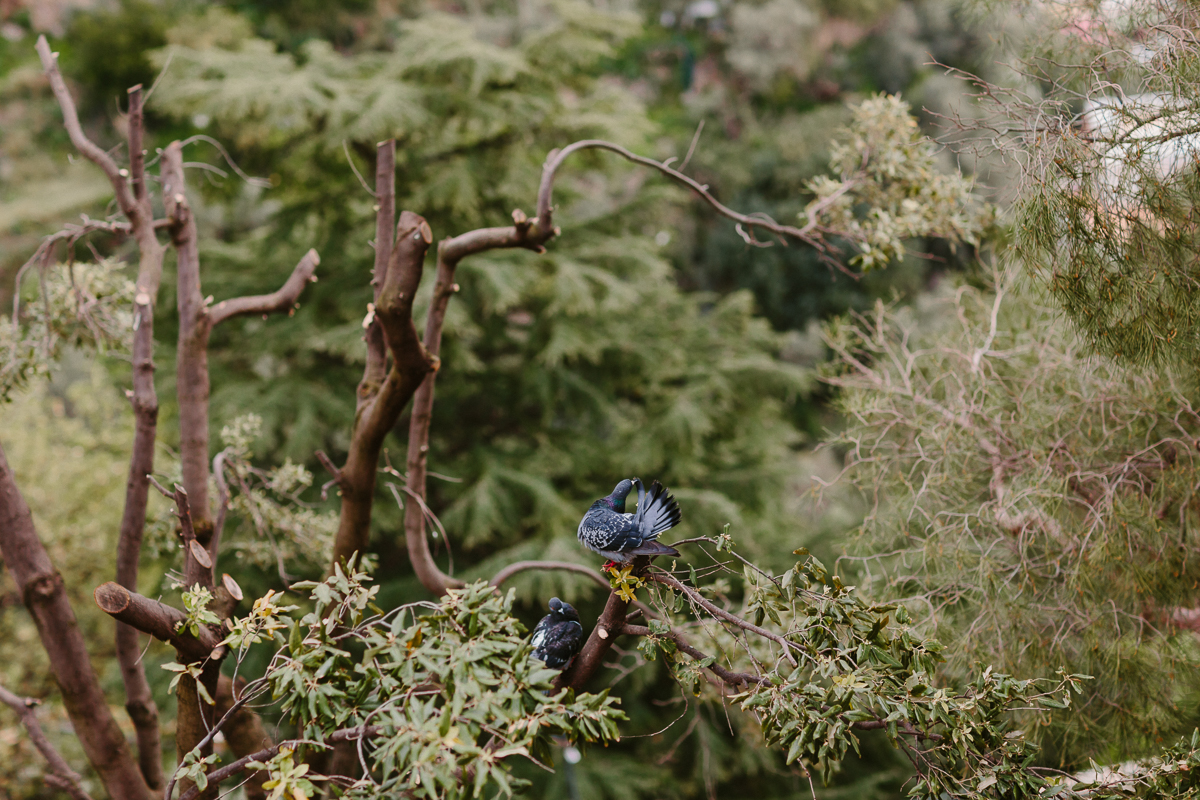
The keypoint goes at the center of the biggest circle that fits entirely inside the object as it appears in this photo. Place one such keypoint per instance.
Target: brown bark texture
(42, 590)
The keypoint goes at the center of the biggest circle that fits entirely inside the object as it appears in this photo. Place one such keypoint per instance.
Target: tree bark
(138, 701)
(42, 590)
(378, 414)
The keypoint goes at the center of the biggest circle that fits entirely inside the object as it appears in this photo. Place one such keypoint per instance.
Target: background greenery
(649, 340)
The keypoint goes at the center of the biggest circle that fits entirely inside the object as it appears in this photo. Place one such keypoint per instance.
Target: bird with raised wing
(559, 636)
(607, 529)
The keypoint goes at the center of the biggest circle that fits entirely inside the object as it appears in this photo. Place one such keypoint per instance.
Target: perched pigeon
(558, 637)
(609, 531)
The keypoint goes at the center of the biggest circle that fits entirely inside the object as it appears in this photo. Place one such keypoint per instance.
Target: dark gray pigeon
(559, 636)
(608, 530)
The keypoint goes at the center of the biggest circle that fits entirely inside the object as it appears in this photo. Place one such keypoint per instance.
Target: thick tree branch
(70, 780)
(135, 204)
(566, 566)
(607, 628)
(276, 302)
(42, 590)
(731, 678)
(809, 234)
(377, 415)
(156, 619)
(191, 360)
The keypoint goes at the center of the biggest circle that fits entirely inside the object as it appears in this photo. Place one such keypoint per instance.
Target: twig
(72, 783)
(717, 611)
(545, 207)
(731, 678)
(283, 299)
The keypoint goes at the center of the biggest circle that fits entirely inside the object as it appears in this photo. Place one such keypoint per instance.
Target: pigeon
(608, 530)
(558, 637)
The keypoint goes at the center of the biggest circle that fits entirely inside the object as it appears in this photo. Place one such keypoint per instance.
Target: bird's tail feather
(653, 548)
(659, 512)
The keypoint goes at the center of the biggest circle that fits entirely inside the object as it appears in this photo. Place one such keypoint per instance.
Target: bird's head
(564, 610)
(617, 498)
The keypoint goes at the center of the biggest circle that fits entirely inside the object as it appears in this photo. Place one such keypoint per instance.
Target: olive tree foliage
(440, 698)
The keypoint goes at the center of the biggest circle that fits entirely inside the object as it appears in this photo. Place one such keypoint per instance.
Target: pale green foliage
(76, 305)
(1038, 501)
(289, 779)
(1106, 210)
(277, 528)
(195, 605)
(451, 686)
(889, 187)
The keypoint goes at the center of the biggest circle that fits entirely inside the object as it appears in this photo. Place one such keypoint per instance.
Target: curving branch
(566, 566)
(68, 779)
(720, 613)
(275, 303)
(242, 728)
(44, 595)
(810, 234)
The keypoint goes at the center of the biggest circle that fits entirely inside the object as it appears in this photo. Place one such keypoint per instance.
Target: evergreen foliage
(561, 370)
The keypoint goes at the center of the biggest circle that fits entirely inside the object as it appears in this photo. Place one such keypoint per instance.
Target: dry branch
(275, 303)
(42, 590)
(69, 778)
(809, 234)
(135, 204)
(379, 408)
(720, 613)
(566, 566)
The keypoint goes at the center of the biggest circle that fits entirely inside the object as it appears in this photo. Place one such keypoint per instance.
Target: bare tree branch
(139, 702)
(377, 413)
(71, 782)
(809, 234)
(385, 231)
(90, 150)
(155, 619)
(43, 592)
(274, 303)
(191, 361)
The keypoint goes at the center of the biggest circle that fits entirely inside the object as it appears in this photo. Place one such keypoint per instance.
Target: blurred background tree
(704, 374)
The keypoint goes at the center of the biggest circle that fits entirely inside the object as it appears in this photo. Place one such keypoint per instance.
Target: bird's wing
(609, 531)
